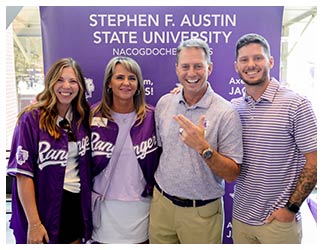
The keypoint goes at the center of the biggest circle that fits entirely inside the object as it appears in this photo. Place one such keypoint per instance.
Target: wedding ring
(181, 130)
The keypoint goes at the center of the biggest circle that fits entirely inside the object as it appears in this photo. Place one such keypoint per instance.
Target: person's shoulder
(150, 109)
(166, 98)
(219, 100)
(30, 115)
(291, 95)
(236, 101)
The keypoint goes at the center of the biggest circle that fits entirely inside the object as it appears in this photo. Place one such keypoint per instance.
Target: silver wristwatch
(207, 153)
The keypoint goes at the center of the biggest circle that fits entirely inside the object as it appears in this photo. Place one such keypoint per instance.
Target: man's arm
(304, 187)
(193, 136)
(307, 179)
(223, 166)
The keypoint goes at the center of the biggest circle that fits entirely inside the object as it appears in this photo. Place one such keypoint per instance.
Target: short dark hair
(252, 38)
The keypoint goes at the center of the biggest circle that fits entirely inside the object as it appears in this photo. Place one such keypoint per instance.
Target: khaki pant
(273, 233)
(173, 224)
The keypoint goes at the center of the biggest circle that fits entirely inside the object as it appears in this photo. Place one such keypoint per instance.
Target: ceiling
(26, 22)
(298, 14)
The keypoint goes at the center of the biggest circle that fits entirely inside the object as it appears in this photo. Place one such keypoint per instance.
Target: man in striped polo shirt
(279, 168)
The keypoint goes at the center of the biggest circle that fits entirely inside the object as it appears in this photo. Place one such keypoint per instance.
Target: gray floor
(309, 224)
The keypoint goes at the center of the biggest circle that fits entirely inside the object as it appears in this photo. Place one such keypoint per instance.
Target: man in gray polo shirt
(200, 134)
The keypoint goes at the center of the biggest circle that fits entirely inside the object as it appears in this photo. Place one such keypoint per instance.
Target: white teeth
(65, 94)
(192, 81)
(252, 72)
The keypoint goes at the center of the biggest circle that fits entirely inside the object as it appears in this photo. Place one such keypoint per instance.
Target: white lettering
(119, 37)
(237, 91)
(151, 37)
(93, 21)
(146, 147)
(207, 20)
(235, 81)
(169, 20)
(48, 156)
(100, 147)
(83, 145)
(229, 235)
(116, 20)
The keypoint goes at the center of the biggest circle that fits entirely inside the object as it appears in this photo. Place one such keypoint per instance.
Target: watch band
(292, 207)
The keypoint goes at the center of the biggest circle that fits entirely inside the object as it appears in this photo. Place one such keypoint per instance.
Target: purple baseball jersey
(36, 154)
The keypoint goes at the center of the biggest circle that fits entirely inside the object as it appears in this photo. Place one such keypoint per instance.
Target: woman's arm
(26, 191)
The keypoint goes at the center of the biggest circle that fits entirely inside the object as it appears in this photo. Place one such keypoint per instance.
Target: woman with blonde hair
(49, 161)
(125, 155)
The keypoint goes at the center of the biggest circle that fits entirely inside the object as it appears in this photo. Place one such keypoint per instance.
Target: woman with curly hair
(50, 162)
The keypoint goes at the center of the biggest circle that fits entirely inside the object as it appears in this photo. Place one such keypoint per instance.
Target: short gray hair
(195, 43)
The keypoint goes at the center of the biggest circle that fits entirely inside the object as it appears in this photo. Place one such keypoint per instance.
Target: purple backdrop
(150, 35)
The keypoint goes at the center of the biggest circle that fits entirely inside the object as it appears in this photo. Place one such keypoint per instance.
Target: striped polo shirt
(278, 129)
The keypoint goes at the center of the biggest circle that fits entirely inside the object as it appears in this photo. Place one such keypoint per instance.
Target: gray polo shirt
(182, 171)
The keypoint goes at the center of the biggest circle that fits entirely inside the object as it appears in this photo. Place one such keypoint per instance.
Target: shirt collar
(204, 102)
(269, 93)
(68, 116)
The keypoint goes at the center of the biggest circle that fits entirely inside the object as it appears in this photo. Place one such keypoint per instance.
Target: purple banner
(150, 35)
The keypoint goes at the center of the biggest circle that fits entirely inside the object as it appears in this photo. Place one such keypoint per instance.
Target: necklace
(124, 118)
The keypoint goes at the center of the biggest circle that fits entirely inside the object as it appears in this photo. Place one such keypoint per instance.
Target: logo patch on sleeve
(21, 155)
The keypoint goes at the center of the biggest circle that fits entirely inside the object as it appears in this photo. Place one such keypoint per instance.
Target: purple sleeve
(23, 154)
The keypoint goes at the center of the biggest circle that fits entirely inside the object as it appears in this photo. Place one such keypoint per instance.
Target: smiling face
(123, 84)
(192, 71)
(66, 89)
(253, 65)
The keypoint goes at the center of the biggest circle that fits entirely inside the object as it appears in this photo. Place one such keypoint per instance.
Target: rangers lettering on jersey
(49, 156)
(83, 145)
(145, 147)
(100, 147)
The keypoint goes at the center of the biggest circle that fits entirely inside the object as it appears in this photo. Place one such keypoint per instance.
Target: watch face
(207, 154)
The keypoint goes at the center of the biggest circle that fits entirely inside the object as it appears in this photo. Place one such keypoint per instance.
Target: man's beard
(260, 81)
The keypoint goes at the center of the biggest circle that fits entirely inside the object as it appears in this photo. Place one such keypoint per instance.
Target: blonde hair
(104, 106)
(46, 100)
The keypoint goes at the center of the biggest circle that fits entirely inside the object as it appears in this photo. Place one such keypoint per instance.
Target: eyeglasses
(66, 125)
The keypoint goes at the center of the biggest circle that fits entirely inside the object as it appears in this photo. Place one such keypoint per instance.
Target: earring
(109, 91)
(137, 92)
